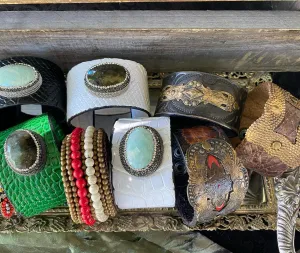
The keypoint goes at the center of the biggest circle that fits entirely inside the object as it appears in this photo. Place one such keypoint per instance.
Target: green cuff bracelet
(30, 165)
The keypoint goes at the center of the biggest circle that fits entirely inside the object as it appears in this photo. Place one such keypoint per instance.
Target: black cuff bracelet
(30, 86)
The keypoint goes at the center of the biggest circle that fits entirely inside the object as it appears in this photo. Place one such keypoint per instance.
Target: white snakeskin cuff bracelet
(142, 163)
(106, 87)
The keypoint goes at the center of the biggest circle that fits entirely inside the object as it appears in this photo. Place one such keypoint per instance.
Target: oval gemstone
(106, 75)
(139, 148)
(16, 75)
(21, 151)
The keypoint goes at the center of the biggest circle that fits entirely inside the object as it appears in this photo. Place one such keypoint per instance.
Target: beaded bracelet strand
(74, 189)
(84, 167)
(92, 179)
(66, 182)
(81, 183)
(104, 177)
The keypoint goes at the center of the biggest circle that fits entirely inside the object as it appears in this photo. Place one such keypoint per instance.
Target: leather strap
(51, 95)
(210, 182)
(32, 195)
(84, 105)
(152, 191)
(202, 96)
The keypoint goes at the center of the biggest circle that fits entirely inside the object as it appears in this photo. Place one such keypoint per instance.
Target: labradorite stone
(106, 75)
(14, 75)
(139, 148)
(21, 150)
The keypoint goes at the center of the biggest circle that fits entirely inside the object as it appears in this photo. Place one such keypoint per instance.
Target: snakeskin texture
(271, 143)
(214, 182)
(51, 95)
(154, 191)
(206, 110)
(80, 100)
(255, 158)
(32, 195)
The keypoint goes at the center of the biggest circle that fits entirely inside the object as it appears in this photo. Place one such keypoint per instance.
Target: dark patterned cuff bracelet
(209, 179)
(30, 86)
(202, 96)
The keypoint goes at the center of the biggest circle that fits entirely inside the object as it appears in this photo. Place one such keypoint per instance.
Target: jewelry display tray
(224, 42)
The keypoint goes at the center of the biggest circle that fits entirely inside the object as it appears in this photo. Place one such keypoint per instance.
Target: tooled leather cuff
(271, 145)
(209, 179)
(202, 96)
(30, 86)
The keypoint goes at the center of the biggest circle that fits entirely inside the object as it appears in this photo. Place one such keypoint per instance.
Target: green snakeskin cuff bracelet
(30, 165)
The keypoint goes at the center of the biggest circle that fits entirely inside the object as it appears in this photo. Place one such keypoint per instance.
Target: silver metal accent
(40, 157)
(108, 91)
(287, 190)
(24, 90)
(157, 155)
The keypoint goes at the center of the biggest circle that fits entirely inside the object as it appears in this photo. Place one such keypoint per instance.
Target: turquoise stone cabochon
(141, 151)
(139, 148)
(16, 75)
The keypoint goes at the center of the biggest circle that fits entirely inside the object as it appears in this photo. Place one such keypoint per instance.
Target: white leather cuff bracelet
(106, 87)
(142, 163)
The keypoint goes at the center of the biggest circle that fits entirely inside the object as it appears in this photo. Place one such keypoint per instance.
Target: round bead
(92, 180)
(85, 210)
(90, 171)
(95, 197)
(102, 218)
(83, 201)
(75, 139)
(75, 146)
(88, 146)
(82, 192)
(88, 140)
(90, 222)
(76, 155)
(93, 189)
(90, 128)
(76, 164)
(78, 173)
(98, 207)
(88, 135)
(88, 153)
(80, 183)
(89, 162)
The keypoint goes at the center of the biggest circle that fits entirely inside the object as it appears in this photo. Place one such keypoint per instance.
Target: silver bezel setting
(156, 158)
(24, 90)
(40, 157)
(108, 91)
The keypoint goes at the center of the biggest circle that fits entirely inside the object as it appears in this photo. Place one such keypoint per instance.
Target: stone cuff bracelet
(30, 171)
(142, 163)
(106, 87)
(30, 86)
